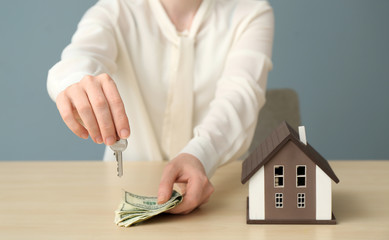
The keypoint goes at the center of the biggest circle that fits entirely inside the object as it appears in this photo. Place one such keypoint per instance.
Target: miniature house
(289, 181)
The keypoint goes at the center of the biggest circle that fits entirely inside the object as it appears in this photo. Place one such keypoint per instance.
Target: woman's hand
(189, 173)
(94, 107)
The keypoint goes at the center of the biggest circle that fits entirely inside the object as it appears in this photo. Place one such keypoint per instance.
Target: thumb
(166, 184)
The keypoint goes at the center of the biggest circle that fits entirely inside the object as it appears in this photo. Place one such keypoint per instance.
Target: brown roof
(272, 144)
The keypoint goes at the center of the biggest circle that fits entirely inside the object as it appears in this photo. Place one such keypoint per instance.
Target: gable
(274, 143)
(290, 155)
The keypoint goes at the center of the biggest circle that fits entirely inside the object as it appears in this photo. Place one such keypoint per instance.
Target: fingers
(180, 187)
(81, 103)
(94, 106)
(116, 106)
(101, 110)
(66, 111)
(208, 193)
(169, 176)
(192, 199)
(187, 171)
(196, 195)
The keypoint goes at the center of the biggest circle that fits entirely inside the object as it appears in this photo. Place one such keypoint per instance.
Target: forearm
(92, 51)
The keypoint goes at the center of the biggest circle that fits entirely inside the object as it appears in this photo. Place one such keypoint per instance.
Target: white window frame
(280, 197)
(304, 176)
(281, 176)
(302, 197)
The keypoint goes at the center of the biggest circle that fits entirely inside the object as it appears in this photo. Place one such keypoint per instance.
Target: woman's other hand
(188, 173)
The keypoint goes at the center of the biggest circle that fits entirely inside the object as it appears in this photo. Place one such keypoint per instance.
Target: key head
(120, 145)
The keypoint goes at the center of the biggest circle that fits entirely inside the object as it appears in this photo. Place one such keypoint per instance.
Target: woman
(189, 75)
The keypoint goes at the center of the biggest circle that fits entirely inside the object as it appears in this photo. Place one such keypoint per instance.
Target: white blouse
(196, 92)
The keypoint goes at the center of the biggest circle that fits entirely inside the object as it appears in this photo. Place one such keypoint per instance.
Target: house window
(301, 176)
(278, 176)
(300, 200)
(279, 200)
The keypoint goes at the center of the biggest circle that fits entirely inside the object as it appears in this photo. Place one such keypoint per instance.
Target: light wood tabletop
(77, 200)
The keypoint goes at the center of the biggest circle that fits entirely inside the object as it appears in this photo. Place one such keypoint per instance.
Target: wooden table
(77, 200)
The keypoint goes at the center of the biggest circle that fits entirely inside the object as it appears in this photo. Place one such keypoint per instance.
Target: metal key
(118, 148)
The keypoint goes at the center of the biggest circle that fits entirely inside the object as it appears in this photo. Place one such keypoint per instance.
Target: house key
(118, 148)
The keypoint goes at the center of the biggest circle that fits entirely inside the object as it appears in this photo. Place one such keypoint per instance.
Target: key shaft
(118, 148)
(119, 160)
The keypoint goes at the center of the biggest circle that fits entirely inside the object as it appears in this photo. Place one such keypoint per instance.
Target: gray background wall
(333, 53)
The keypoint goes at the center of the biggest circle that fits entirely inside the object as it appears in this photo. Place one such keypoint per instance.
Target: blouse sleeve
(93, 50)
(227, 130)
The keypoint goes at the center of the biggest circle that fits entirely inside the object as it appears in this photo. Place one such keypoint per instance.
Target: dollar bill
(135, 209)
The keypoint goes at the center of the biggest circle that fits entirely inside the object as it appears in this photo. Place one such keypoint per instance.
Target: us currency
(135, 209)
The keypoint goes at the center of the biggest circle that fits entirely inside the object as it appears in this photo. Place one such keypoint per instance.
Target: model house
(289, 181)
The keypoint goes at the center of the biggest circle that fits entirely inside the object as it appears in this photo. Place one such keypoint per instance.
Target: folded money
(135, 209)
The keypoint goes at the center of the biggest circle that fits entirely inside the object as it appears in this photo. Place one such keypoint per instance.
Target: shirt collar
(168, 28)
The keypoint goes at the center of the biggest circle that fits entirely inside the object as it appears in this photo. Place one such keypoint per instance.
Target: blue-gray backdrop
(333, 53)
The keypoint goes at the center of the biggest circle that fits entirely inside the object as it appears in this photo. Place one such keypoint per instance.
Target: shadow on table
(347, 207)
(163, 218)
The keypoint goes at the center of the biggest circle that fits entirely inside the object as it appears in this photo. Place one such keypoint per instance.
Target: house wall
(290, 156)
(323, 195)
(257, 195)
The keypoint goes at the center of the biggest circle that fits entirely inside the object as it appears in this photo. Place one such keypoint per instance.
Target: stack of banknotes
(135, 209)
